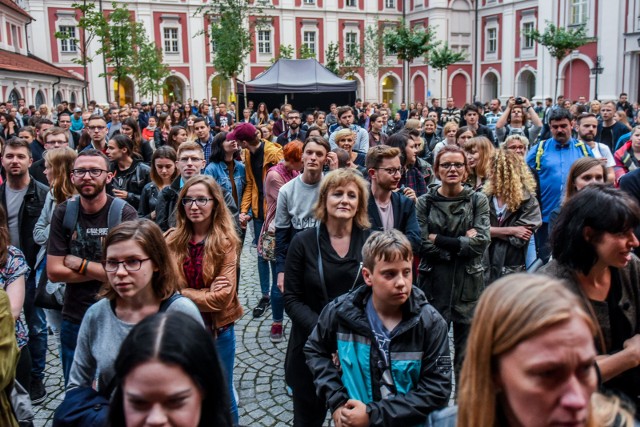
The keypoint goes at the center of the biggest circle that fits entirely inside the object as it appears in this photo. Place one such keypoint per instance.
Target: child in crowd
(408, 374)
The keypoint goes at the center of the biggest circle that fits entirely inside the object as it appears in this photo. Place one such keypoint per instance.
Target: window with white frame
(492, 40)
(350, 42)
(578, 12)
(309, 1)
(264, 42)
(527, 41)
(351, 3)
(171, 42)
(68, 44)
(309, 40)
(390, 4)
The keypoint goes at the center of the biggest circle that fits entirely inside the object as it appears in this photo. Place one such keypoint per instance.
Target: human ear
(366, 274)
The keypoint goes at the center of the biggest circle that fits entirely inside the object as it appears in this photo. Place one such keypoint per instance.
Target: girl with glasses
(141, 280)
(204, 245)
(454, 225)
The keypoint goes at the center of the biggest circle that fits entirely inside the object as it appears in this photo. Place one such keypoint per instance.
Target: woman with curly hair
(204, 244)
(479, 151)
(514, 214)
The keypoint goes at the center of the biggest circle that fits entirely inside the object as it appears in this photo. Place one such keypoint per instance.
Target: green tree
(286, 52)
(333, 58)
(440, 58)
(304, 52)
(407, 44)
(150, 70)
(560, 42)
(229, 33)
(90, 20)
(373, 49)
(351, 62)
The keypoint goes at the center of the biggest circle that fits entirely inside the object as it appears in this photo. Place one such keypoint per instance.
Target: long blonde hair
(513, 309)
(485, 148)
(222, 235)
(509, 179)
(61, 162)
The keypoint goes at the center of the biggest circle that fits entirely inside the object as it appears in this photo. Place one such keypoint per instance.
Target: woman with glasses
(141, 280)
(130, 173)
(141, 146)
(454, 226)
(322, 263)
(204, 245)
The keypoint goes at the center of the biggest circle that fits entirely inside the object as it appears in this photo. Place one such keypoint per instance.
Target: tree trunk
(555, 95)
(441, 76)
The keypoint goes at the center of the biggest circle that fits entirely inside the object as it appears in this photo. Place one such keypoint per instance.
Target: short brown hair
(53, 131)
(390, 245)
(377, 154)
(16, 143)
(190, 146)
(338, 178)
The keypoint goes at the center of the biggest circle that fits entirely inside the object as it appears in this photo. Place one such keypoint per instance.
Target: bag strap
(115, 212)
(320, 266)
(165, 304)
(71, 215)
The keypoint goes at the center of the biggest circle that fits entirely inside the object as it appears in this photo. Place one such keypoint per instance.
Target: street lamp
(597, 70)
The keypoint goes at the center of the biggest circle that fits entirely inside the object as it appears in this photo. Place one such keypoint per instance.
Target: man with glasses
(97, 128)
(55, 137)
(389, 208)
(64, 121)
(294, 132)
(74, 251)
(189, 164)
(23, 198)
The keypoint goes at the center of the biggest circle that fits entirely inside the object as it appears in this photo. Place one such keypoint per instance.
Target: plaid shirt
(206, 147)
(414, 179)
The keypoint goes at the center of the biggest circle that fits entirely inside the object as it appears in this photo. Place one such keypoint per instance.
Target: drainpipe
(53, 90)
(475, 54)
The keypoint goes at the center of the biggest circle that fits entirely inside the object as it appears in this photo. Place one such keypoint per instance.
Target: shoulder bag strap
(320, 267)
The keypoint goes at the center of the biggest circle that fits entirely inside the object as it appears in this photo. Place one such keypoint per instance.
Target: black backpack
(73, 207)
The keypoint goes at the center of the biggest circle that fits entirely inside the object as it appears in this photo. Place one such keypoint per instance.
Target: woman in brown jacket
(204, 243)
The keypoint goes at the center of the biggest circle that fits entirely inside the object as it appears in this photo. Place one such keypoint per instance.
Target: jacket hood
(432, 193)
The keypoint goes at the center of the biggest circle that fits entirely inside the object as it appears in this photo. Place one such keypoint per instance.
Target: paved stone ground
(259, 370)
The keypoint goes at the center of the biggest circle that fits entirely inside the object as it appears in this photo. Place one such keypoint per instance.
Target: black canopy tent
(305, 83)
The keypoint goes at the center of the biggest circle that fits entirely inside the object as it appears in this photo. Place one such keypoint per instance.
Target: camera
(519, 101)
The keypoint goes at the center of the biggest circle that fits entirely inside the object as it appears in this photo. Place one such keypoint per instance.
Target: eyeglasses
(96, 128)
(111, 266)
(191, 159)
(94, 173)
(199, 201)
(448, 166)
(391, 171)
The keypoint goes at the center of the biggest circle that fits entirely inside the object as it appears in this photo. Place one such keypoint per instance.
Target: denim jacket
(220, 172)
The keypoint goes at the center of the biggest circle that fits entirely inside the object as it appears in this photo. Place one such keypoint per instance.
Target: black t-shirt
(85, 242)
(606, 137)
(257, 163)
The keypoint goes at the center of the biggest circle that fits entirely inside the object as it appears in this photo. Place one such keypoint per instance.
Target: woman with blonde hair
(204, 244)
(45, 111)
(514, 214)
(322, 263)
(346, 139)
(479, 151)
(530, 359)
(191, 132)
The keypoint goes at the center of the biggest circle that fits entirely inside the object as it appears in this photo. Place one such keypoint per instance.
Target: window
(309, 40)
(350, 42)
(390, 4)
(492, 40)
(578, 10)
(351, 3)
(69, 44)
(264, 41)
(171, 40)
(309, 1)
(527, 27)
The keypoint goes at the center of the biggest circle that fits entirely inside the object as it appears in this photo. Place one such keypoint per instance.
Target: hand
(522, 232)
(332, 160)
(354, 414)
(337, 414)
(511, 102)
(471, 233)
(633, 345)
(219, 283)
(432, 237)
(72, 262)
(281, 282)
(120, 194)
(525, 103)
(410, 194)
(244, 219)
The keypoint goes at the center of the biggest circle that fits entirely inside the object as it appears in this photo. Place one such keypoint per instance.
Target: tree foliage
(285, 52)
(441, 57)
(373, 49)
(332, 54)
(351, 61)
(150, 70)
(304, 52)
(560, 41)
(409, 43)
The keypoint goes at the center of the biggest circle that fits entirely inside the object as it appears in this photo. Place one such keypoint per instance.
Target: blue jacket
(404, 218)
(220, 172)
(553, 169)
(419, 357)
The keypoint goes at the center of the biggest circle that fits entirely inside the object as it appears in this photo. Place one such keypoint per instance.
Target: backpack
(70, 219)
(541, 148)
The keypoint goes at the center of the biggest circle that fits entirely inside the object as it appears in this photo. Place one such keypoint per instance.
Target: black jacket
(418, 347)
(131, 180)
(36, 170)
(29, 214)
(404, 218)
(168, 198)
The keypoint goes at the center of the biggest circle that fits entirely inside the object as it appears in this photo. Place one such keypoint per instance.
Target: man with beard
(23, 198)
(345, 121)
(551, 160)
(389, 208)
(587, 130)
(74, 252)
(37, 146)
(294, 132)
(451, 113)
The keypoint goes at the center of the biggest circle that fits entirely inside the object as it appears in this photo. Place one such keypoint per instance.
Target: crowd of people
(377, 231)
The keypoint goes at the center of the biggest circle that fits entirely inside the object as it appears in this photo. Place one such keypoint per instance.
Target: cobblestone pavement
(259, 371)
